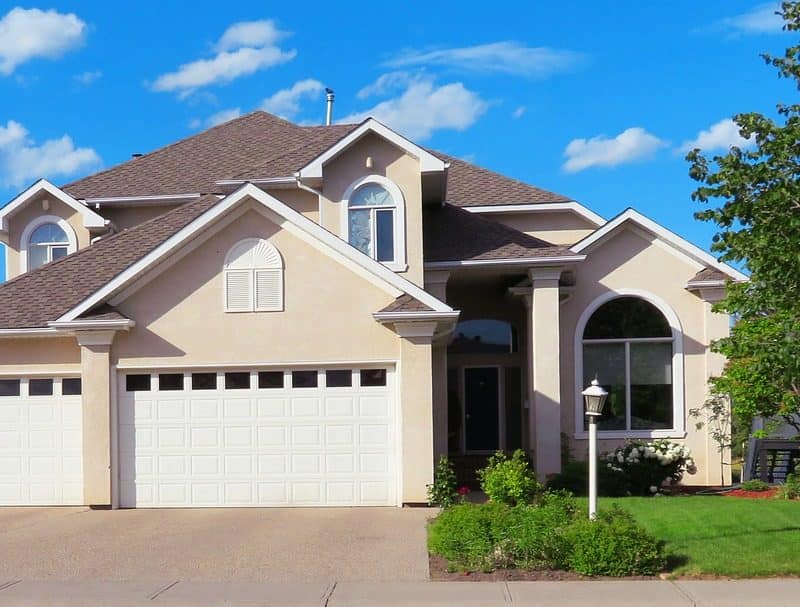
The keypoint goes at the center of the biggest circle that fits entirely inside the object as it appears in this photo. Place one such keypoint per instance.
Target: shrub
(614, 545)
(574, 478)
(469, 535)
(754, 485)
(647, 466)
(790, 490)
(443, 490)
(509, 480)
(539, 534)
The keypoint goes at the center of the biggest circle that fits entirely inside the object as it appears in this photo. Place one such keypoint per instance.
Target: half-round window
(629, 345)
(253, 277)
(47, 243)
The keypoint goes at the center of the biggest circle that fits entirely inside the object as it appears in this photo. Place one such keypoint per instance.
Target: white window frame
(25, 244)
(252, 271)
(678, 385)
(398, 264)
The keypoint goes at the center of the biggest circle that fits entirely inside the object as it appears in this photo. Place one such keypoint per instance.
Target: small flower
(653, 489)
(463, 490)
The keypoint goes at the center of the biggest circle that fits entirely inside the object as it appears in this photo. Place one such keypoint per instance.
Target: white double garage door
(290, 437)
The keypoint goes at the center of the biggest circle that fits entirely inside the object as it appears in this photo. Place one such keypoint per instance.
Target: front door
(481, 408)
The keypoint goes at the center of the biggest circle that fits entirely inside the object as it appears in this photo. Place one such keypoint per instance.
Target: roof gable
(90, 218)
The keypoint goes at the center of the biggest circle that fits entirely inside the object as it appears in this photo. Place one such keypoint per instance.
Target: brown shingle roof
(103, 312)
(406, 303)
(44, 294)
(709, 274)
(453, 234)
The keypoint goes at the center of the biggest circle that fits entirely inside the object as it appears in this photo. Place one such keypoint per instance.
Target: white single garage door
(41, 458)
(293, 437)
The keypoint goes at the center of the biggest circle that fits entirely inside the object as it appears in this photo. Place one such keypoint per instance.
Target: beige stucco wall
(556, 227)
(20, 220)
(387, 161)
(40, 355)
(629, 261)
(301, 201)
(128, 216)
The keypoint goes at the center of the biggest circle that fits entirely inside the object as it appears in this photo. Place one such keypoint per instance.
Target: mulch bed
(769, 493)
(439, 573)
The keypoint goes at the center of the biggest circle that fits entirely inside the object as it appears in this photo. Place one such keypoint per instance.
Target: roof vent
(137, 155)
(329, 108)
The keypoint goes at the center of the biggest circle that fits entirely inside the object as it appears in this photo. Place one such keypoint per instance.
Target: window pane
(607, 363)
(170, 381)
(651, 386)
(9, 387)
(204, 381)
(238, 380)
(49, 233)
(40, 387)
(384, 232)
(339, 378)
(304, 379)
(483, 337)
(627, 317)
(137, 383)
(37, 256)
(371, 195)
(373, 377)
(71, 386)
(58, 252)
(360, 230)
(270, 379)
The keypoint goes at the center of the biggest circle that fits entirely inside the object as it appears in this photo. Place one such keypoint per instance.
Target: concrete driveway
(274, 544)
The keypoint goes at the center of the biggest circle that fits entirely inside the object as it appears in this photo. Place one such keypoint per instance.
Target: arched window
(484, 336)
(629, 344)
(44, 240)
(374, 220)
(253, 277)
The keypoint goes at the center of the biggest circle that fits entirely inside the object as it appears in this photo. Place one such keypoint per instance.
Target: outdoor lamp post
(594, 398)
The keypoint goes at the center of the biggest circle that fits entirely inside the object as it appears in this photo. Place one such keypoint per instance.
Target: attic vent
(253, 277)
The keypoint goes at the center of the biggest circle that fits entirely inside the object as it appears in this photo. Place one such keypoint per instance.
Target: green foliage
(614, 545)
(467, 535)
(574, 477)
(790, 490)
(443, 491)
(539, 534)
(757, 195)
(754, 485)
(646, 466)
(509, 480)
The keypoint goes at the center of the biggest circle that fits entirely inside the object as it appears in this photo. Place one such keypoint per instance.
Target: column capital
(95, 338)
(540, 274)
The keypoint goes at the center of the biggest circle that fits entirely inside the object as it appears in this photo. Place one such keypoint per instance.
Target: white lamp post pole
(594, 398)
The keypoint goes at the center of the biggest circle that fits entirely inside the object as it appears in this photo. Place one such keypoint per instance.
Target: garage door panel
(270, 446)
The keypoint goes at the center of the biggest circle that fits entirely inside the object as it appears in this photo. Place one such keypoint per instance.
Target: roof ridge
(172, 145)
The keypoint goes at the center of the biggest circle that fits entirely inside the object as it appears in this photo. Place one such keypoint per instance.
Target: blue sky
(594, 100)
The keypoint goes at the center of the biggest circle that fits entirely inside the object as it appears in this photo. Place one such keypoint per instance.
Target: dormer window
(44, 240)
(374, 221)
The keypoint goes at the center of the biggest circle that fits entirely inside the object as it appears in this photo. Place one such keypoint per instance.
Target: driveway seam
(326, 596)
(507, 596)
(9, 584)
(684, 592)
(162, 590)
(40, 521)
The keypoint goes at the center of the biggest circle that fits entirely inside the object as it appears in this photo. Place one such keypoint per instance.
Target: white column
(436, 285)
(544, 357)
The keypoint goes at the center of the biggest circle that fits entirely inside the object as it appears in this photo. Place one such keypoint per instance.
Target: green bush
(754, 485)
(509, 480)
(614, 545)
(790, 490)
(539, 534)
(647, 466)
(443, 490)
(574, 477)
(468, 535)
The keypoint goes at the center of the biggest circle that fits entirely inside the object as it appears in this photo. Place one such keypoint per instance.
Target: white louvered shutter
(269, 289)
(238, 291)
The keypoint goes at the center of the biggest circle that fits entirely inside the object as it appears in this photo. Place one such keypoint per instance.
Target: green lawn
(722, 535)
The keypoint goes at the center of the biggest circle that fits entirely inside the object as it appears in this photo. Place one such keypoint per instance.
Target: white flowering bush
(646, 466)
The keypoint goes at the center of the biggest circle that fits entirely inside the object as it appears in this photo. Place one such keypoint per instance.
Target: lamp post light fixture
(594, 398)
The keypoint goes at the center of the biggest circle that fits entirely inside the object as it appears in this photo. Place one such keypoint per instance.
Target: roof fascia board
(515, 262)
(121, 324)
(678, 243)
(419, 315)
(543, 207)
(428, 162)
(29, 332)
(90, 218)
(267, 180)
(141, 200)
(388, 277)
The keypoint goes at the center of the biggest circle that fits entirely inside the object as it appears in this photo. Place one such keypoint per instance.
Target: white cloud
(519, 112)
(22, 160)
(223, 116)
(763, 19)
(387, 83)
(719, 136)
(425, 107)
(506, 57)
(29, 33)
(630, 145)
(286, 102)
(87, 78)
(243, 49)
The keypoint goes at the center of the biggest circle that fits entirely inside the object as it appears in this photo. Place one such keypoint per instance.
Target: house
(271, 314)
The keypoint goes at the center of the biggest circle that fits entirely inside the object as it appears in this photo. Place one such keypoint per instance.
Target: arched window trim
(273, 265)
(678, 385)
(24, 241)
(399, 264)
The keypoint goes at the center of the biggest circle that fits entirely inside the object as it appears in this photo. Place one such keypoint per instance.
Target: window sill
(395, 266)
(623, 434)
